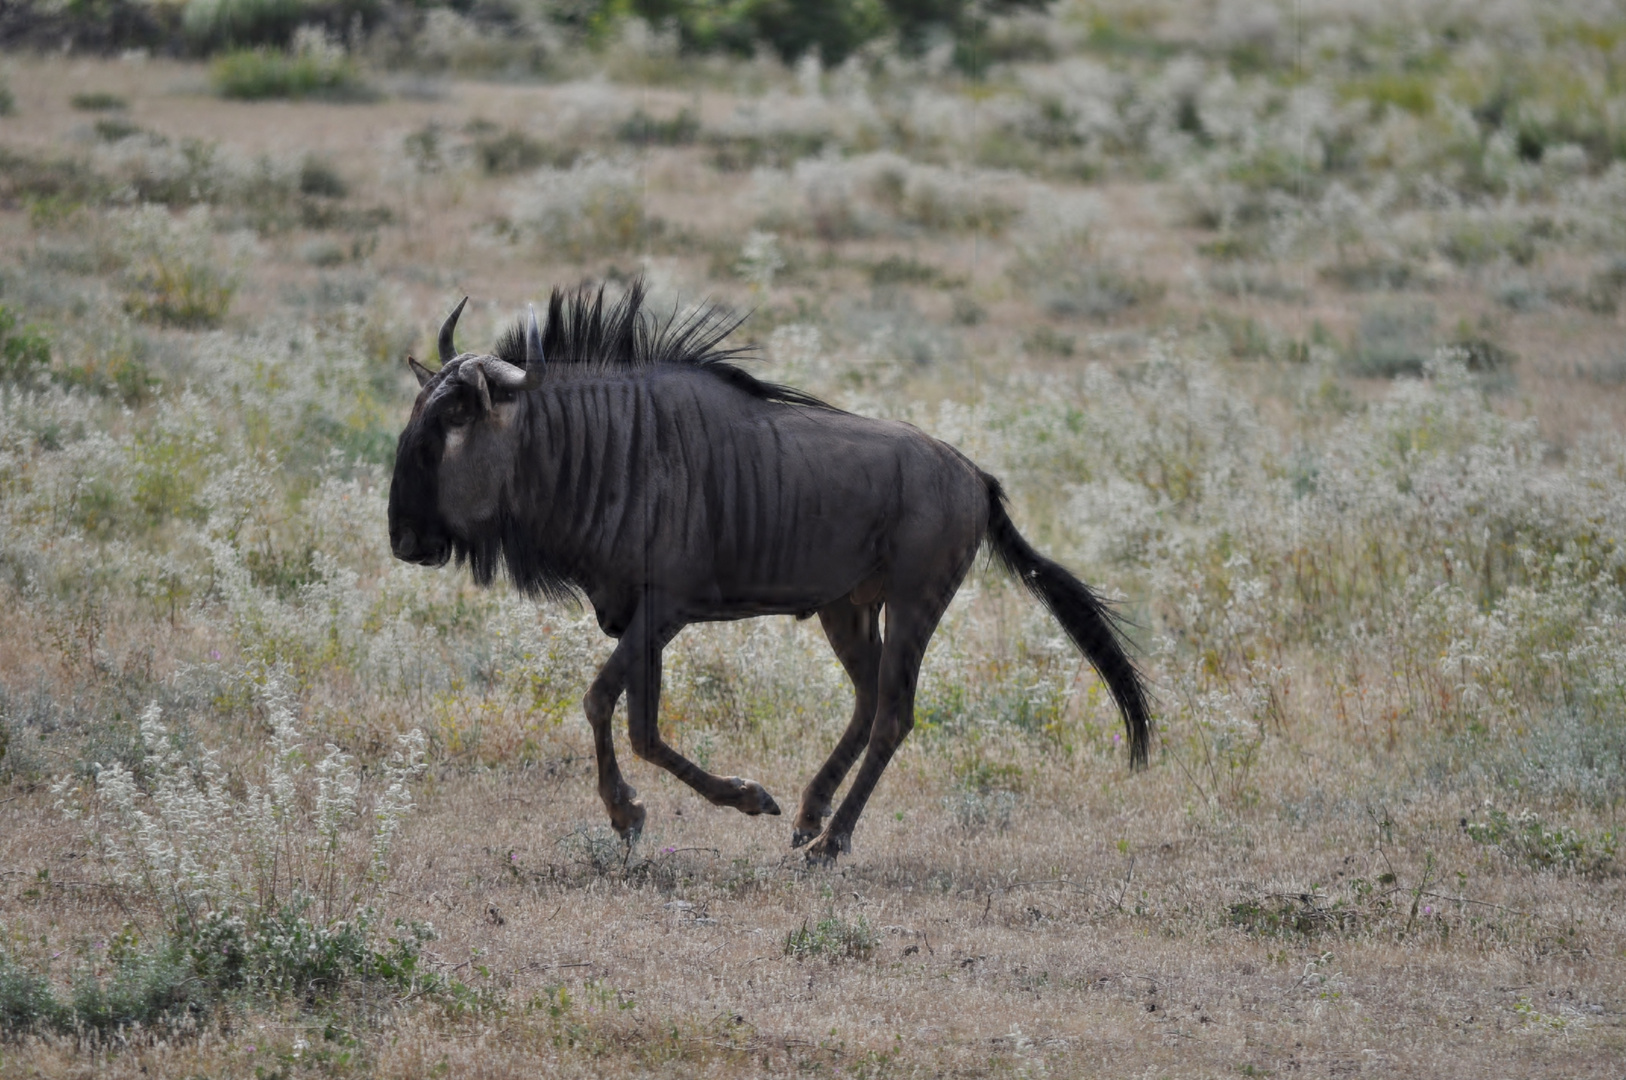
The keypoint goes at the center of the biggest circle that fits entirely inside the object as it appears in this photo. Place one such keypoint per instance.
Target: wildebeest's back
(787, 507)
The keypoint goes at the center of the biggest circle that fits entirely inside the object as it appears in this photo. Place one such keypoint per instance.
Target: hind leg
(854, 631)
(909, 627)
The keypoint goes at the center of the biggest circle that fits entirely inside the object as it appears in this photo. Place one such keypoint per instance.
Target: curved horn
(533, 341)
(501, 373)
(479, 380)
(448, 351)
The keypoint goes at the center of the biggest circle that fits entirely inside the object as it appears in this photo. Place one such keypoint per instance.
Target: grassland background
(1295, 327)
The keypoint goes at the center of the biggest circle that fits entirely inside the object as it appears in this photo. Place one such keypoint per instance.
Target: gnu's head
(457, 450)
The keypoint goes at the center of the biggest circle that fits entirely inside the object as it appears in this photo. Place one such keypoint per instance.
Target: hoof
(629, 824)
(750, 797)
(809, 823)
(824, 850)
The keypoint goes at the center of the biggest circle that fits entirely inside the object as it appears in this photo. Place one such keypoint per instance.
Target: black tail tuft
(1086, 617)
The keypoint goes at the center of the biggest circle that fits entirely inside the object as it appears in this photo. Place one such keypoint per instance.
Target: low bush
(313, 68)
(832, 938)
(502, 153)
(59, 184)
(646, 130)
(25, 351)
(98, 101)
(1525, 836)
(114, 128)
(318, 177)
(903, 270)
(27, 1005)
(877, 194)
(594, 207)
(216, 24)
(1064, 284)
(171, 276)
(176, 985)
(262, 888)
(1391, 340)
(258, 75)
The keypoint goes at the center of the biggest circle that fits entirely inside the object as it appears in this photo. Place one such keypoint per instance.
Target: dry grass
(1305, 901)
(1098, 934)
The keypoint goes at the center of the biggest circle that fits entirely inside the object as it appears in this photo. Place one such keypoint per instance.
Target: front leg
(620, 798)
(652, 628)
(635, 667)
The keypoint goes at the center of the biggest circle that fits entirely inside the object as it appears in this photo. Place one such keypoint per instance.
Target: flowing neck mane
(583, 331)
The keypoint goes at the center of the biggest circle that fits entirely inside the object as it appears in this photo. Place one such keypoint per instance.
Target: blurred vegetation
(832, 30)
(258, 74)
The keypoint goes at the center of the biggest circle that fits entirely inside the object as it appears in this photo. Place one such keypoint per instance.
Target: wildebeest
(638, 465)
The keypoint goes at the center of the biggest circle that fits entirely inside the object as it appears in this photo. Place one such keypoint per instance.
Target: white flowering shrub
(836, 198)
(272, 890)
(760, 260)
(177, 838)
(171, 273)
(594, 206)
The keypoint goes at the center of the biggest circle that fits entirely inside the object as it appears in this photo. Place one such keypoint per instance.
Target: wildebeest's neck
(577, 508)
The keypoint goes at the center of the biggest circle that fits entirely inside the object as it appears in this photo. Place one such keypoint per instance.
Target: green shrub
(263, 892)
(645, 130)
(25, 351)
(903, 270)
(1482, 355)
(594, 207)
(833, 938)
(292, 955)
(1528, 838)
(263, 74)
(318, 177)
(114, 128)
(1478, 239)
(1408, 92)
(154, 990)
(1086, 289)
(214, 24)
(514, 151)
(1047, 341)
(176, 985)
(27, 1005)
(8, 103)
(1393, 340)
(831, 28)
(98, 101)
(62, 183)
(120, 372)
(171, 277)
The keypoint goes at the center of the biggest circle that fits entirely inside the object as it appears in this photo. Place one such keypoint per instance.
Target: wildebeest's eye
(457, 414)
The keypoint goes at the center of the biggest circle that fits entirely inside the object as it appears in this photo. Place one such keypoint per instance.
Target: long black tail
(1092, 625)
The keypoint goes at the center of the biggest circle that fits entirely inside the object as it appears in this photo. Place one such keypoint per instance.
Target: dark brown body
(677, 490)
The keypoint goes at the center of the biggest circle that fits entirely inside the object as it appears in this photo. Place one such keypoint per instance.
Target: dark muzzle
(425, 551)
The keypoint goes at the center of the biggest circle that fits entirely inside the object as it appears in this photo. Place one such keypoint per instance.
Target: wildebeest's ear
(481, 386)
(423, 373)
